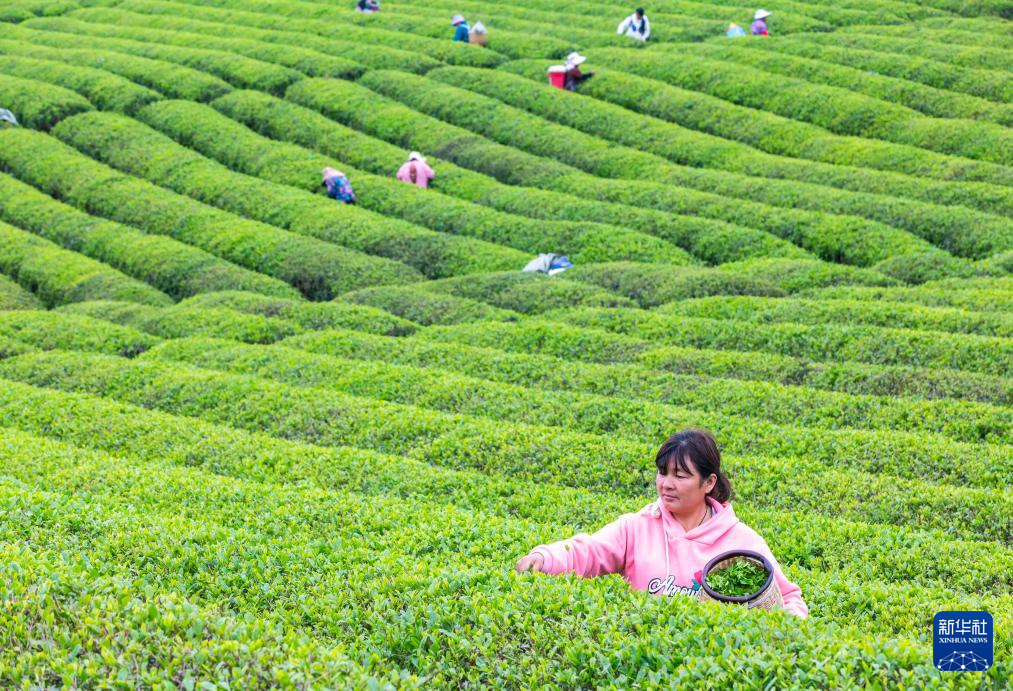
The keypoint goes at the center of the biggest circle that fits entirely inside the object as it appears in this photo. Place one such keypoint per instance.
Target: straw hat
(416, 156)
(761, 14)
(457, 19)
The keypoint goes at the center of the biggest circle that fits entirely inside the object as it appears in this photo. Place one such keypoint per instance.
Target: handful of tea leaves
(738, 579)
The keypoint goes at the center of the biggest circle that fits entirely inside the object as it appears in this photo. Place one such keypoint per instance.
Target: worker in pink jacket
(662, 548)
(416, 171)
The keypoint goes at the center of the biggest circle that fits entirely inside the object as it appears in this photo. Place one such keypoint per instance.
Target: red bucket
(557, 76)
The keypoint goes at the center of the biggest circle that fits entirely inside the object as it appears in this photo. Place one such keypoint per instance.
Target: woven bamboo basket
(767, 597)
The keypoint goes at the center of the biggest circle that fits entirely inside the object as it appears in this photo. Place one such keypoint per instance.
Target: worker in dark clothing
(574, 77)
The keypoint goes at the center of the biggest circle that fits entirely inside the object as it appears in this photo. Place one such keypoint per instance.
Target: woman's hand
(533, 562)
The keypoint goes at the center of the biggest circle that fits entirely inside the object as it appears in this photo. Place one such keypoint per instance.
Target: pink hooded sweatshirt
(423, 173)
(635, 546)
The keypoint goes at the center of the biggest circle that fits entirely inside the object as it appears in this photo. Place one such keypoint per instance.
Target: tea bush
(426, 307)
(180, 321)
(984, 354)
(501, 395)
(990, 84)
(852, 377)
(314, 57)
(237, 70)
(893, 315)
(45, 330)
(940, 103)
(14, 297)
(786, 137)
(60, 276)
(105, 91)
(176, 268)
(851, 113)
(165, 77)
(309, 315)
(38, 104)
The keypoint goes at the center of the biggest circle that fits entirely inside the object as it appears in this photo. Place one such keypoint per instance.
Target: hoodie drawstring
(664, 531)
(668, 569)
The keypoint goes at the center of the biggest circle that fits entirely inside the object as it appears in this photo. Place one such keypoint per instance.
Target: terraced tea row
(461, 441)
(630, 416)
(176, 268)
(767, 363)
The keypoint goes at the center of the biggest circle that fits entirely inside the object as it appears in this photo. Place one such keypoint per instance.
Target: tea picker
(568, 76)
(478, 34)
(338, 186)
(550, 264)
(368, 6)
(759, 27)
(636, 26)
(735, 31)
(461, 28)
(689, 542)
(416, 171)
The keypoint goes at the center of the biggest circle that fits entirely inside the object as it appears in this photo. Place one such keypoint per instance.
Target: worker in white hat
(759, 27)
(416, 171)
(462, 30)
(574, 77)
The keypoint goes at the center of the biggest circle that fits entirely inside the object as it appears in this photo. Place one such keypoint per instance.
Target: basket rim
(728, 555)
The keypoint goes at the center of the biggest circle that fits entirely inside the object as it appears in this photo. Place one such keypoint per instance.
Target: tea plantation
(252, 437)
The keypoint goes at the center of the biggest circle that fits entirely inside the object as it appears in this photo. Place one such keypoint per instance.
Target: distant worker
(478, 34)
(574, 77)
(636, 26)
(759, 27)
(462, 31)
(368, 6)
(416, 171)
(338, 186)
(7, 117)
(735, 31)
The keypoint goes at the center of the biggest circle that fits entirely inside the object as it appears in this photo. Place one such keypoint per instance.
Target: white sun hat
(761, 14)
(416, 156)
(457, 19)
(574, 59)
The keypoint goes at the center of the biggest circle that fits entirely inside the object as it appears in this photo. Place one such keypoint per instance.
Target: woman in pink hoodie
(416, 171)
(662, 548)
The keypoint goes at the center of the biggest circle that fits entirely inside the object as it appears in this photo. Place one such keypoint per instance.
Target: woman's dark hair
(697, 446)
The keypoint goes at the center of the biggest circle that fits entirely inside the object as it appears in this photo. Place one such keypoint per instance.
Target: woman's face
(681, 491)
